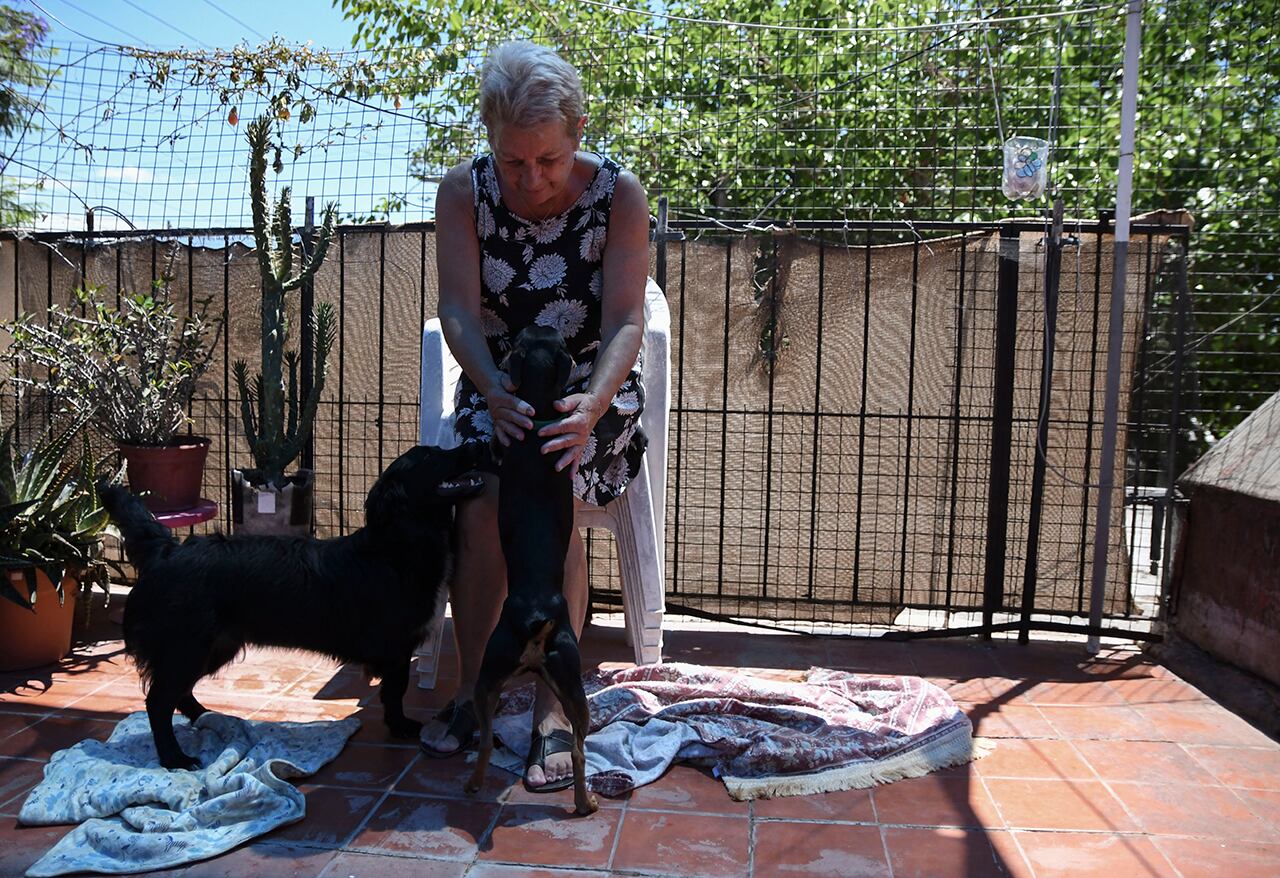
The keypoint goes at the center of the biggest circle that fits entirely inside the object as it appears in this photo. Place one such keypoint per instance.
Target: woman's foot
(452, 732)
(555, 766)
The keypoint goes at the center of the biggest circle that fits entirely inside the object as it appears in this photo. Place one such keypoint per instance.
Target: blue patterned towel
(135, 816)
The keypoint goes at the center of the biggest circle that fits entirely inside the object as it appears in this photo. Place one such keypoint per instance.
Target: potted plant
(277, 418)
(51, 525)
(130, 370)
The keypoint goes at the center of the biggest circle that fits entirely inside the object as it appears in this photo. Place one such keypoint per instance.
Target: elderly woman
(537, 232)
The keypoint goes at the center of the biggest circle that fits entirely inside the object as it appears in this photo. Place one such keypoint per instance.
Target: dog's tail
(145, 539)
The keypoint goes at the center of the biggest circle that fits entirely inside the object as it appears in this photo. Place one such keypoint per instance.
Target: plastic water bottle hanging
(1026, 167)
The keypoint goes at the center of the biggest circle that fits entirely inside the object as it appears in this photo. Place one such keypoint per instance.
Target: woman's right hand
(511, 415)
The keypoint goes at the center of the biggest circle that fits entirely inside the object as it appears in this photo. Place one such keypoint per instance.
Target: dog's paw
(404, 727)
(590, 806)
(180, 762)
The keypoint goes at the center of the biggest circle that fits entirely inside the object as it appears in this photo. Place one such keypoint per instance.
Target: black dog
(535, 523)
(366, 597)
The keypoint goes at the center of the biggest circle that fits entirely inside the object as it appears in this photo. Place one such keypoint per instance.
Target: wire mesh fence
(890, 114)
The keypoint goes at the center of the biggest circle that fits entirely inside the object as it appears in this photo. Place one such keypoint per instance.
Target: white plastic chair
(636, 519)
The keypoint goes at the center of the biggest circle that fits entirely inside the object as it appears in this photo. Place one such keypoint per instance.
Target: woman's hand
(569, 434)
(511, 415)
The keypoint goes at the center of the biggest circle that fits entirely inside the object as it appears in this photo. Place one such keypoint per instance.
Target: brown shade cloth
(802, 486)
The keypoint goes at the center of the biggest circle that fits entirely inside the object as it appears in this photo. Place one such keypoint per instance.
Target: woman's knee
(478, 520)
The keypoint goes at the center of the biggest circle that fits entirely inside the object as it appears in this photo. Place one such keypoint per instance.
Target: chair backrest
(440, 374)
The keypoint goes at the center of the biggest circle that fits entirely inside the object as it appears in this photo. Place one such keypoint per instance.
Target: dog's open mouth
(467, 483)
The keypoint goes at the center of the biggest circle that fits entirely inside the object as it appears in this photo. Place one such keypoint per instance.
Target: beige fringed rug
(763, 736)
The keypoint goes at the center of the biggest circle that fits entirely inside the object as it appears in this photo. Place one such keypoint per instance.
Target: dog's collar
(538, 425)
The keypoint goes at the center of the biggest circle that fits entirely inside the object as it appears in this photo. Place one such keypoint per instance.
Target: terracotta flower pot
(41, 636)
(173, 473)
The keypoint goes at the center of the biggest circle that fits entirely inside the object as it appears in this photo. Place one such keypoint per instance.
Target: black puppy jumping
(535, 523)
(366, 597)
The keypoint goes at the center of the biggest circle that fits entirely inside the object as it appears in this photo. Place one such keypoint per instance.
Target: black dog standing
(366, 597)
(535, 523)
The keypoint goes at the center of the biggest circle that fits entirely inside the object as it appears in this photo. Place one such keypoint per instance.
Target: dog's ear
(564, 368)
(388, 500)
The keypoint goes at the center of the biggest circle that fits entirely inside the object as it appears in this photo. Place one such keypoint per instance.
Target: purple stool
(202, 511)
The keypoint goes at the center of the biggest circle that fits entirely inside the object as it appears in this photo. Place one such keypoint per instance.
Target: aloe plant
(51, 517)
(277, 423)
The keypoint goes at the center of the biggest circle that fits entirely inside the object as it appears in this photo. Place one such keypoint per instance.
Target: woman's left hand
(569, 435)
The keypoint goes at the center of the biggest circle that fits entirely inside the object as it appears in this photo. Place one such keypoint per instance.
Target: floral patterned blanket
(134, 816)
(762, 736)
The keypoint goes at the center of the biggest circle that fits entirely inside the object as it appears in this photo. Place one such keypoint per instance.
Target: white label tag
(267, 502)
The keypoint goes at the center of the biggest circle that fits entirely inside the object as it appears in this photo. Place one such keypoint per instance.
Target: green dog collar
(538, 425)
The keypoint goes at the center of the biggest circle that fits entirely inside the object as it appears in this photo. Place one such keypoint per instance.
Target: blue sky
(172, 160)
(169, 24)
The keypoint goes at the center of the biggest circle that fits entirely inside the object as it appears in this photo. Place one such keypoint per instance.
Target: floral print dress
(550, 272)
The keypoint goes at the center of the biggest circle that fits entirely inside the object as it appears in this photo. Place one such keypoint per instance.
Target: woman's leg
(479, 587)
(547, 713)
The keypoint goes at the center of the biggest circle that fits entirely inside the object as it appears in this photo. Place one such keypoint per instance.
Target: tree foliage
(21, 36)
(765, 118)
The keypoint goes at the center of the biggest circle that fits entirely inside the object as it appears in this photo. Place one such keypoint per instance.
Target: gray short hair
(526, 84)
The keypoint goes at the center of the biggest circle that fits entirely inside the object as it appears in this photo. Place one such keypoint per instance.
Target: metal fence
(855, 416)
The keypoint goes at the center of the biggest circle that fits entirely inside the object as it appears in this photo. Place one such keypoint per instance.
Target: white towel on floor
(135, 816)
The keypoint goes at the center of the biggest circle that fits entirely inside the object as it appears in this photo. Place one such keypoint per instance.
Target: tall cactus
(276, 423)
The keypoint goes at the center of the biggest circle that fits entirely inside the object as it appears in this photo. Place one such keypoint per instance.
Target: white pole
(1115, 335)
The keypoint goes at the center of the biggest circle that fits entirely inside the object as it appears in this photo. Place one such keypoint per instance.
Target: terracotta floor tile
(1053, 804)
(447, 829)
(11, 724)
(1157, 691)
(1008, 721)
(983, 690)
(517, 795)
(298, 710)
(1034, 758)
(1098, 722)
(685, 788)
(549, 836)
(878, 656)
(20, 847)
(17, 777)
(1209, 858)
(332, 816)
(941, 853)
(1209, 812)
(1264, 803)
(936, 801)
(445, 778)
(365, 765)
(38, 696)
(264, 861)
(955, 660)
(353, 865)
(1201, 724)
(43, 739)
(818, 849)
(500, 870)
(1071, 692)
(1009, 855)
(329, 685)
(684, 844)
(1144, 761)
(374, 731)
(1093, 855)
(846, 805)
(1255, 768)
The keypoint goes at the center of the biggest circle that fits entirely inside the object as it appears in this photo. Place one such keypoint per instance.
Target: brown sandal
(462, 727)
(542, 746)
